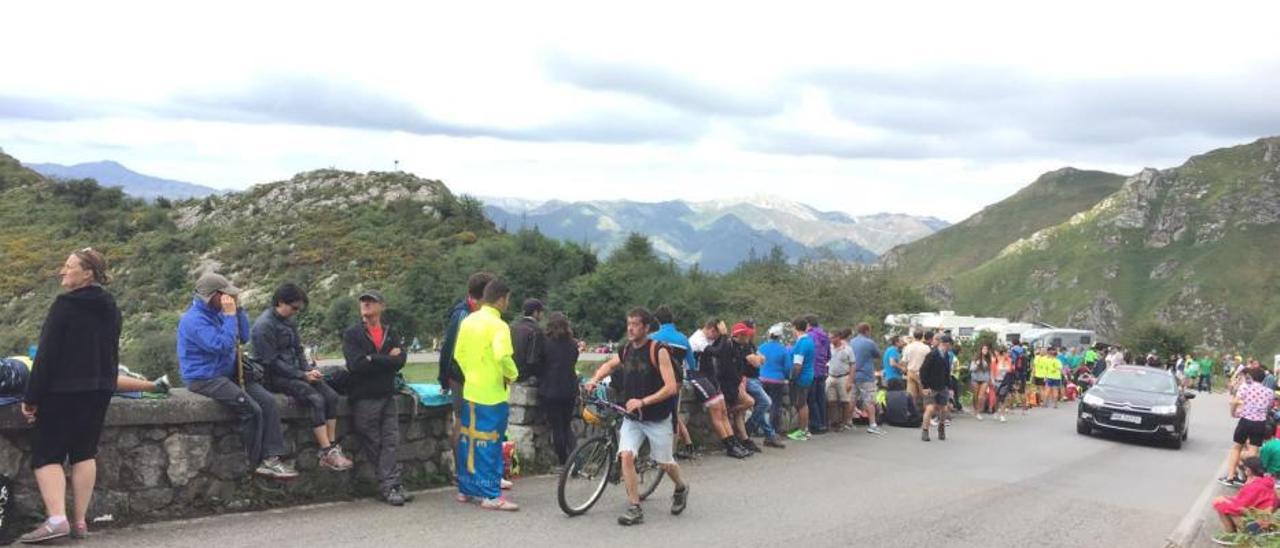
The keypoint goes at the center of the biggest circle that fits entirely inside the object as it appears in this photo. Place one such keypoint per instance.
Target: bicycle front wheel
(585, 476)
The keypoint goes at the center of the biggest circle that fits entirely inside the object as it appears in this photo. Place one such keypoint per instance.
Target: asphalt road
(1031, 481)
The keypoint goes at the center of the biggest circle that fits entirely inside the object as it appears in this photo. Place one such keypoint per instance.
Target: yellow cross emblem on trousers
(472, 436)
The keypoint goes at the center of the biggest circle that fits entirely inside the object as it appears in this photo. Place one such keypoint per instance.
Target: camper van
(1059, 337)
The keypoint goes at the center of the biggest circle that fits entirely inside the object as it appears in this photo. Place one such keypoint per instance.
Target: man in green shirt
(1205, 383)
(1270, 455)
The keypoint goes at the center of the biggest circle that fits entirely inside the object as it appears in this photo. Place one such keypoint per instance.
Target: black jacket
(933, 374)
(559, 380)
(527, 340)
(900, 409)
(449, 370)
(373, 370)
(277, 346)
(79, 345)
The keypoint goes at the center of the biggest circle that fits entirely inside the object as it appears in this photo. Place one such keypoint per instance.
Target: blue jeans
(818, 404)
(760, 413)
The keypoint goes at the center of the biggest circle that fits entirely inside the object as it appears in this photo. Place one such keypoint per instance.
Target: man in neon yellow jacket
(484, 355)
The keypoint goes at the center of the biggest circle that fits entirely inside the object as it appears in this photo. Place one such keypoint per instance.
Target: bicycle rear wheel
(585, 476)
(648, 473)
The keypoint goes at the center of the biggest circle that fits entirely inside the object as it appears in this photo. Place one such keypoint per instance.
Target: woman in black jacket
(558, 390)
(74, 375)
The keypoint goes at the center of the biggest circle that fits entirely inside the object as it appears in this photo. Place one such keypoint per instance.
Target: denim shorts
(633, 433)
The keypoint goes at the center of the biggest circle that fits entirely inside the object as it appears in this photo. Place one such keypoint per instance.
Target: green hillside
(1192, 246)
(1050, 200)
(336, 233)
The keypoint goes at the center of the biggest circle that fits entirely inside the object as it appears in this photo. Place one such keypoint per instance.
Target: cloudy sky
(927, 108)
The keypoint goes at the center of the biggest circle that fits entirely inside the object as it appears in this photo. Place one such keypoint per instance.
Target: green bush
(155, 354)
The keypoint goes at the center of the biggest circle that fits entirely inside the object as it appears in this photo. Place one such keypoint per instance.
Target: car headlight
(1092, 400)
(1164, 409)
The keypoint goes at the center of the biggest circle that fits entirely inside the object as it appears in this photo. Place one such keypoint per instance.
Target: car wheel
(1176, 442)
(1186, 431)
(1083, 428)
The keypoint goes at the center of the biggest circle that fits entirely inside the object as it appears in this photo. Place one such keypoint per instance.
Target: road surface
(1030, 482)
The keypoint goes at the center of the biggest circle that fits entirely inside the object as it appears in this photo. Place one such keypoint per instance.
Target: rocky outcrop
(1102, 315)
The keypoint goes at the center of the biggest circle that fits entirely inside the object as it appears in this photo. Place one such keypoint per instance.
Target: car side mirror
(1190, 395)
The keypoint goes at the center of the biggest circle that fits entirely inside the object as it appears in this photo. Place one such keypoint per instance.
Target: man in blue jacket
(209, 337)
(450, 376)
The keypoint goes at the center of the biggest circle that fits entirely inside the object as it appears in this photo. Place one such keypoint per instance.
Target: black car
(1138, 400)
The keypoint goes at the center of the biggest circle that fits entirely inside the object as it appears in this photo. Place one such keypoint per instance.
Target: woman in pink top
(1258, 493)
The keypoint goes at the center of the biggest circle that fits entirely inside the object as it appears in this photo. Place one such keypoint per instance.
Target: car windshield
(1146, 381)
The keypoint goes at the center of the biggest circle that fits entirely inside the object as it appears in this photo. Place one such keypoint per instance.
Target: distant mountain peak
(112, 173)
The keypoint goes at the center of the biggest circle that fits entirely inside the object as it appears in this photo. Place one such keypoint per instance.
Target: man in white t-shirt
(913, 355)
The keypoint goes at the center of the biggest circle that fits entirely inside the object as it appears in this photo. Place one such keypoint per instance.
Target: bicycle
(595, 464)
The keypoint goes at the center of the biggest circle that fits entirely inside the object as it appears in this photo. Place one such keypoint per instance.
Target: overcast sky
(922, 108)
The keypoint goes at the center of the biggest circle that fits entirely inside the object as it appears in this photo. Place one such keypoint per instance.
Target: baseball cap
(373, 295)
(775, 332)
(741, 328)
(210, 283)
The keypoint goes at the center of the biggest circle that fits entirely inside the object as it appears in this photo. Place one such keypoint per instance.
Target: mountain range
(135, 184)
(1191, 246)
(717, 235)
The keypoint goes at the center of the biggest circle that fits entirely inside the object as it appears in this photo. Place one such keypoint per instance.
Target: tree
(1166, 340)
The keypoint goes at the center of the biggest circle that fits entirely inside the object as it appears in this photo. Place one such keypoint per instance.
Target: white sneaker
(506, 484)
(979, 415)
(1002, 418)
(875, 430)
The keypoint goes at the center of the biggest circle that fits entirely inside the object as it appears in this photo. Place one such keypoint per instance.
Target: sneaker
(875, 430)
(924, 434)
(46, 532)
(979, 415)
(162, 384)
(1233, 482)
(506, 484)
(407, 496)
(1002, 419)
(751, 446)
(333, 459)
(393, 497)
(819, 432)
(737, 451)
(275, 469)
(684, 453)
(499, 504)
(775, 443)
(942, 433)
(633, 516)
(1224, 539)
(679, 500)
(796, 435)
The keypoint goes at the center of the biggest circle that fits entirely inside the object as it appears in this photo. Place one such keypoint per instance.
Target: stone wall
(182, 457)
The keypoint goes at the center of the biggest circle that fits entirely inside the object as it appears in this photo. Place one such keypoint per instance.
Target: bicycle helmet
(590, 417)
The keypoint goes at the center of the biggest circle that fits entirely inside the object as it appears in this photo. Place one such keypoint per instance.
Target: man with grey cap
(375, 354)
(209, 337)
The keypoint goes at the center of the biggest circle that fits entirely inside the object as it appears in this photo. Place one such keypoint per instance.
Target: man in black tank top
(650, 391)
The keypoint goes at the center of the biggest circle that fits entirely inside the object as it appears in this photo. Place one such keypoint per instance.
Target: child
(1258, 493)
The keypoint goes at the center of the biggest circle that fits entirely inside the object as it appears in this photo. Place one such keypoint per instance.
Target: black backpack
(677, 357)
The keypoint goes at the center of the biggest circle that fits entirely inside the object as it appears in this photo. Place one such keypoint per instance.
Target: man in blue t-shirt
(865, 356)
(892, 366)
(802, 359)
(773, 378)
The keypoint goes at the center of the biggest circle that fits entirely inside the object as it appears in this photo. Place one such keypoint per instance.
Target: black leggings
(559, 416)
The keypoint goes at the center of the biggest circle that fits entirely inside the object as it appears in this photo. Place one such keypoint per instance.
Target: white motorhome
(1059, 337)
(961, 327)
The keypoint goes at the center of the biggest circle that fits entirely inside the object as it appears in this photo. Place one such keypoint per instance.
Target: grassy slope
(1236, 274)
(1051, 199)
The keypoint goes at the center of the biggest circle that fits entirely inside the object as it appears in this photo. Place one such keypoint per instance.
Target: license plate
(1121, 417)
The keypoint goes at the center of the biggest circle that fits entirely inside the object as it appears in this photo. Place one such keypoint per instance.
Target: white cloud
(932, 108)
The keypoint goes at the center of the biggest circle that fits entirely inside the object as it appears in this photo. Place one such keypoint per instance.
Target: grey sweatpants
(255, 407)
(377, 422)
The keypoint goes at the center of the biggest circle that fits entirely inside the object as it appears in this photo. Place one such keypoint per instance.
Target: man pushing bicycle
(642, 372)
